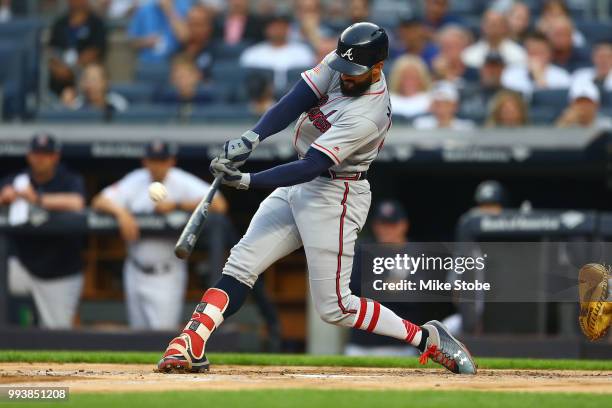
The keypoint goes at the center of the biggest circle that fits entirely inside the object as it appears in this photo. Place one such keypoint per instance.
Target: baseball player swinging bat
(342, 112)
(192, 230)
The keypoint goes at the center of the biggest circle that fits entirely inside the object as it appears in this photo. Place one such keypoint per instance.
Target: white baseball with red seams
(325, 215)
(157, 192)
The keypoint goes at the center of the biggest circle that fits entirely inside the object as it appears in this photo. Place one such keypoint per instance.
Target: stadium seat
(135, 92)
(294, 75)
(551, 99)
(25, 34)
(543, 115)
(606, 99)
(206, 93)
(235, 113)
(152, 73)
(18, 28)
(227, 71)
(265, 72)
(401, 120)
(230, 79)
(146, 114)
(52, 115)
(12, 79)
(229, 76)
(476, 117)
(466, 7)
(595, 31)
(230, 52)
(11, 56)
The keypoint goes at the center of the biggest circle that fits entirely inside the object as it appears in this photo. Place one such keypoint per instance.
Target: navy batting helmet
(490, 192)
(360, 47)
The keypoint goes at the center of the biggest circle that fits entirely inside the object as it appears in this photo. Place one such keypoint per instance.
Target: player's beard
(355, 88)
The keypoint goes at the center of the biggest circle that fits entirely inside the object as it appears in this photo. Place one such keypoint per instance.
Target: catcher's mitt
(595, 310)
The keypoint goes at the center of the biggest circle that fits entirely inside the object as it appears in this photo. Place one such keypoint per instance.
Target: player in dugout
(47, 268)
(154, 280)
(320, 202)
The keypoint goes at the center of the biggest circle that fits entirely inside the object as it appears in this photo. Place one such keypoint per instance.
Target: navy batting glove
(238, 150)
(231, 176)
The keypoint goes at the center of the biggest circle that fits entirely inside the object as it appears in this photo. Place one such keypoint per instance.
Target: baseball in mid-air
(157, 192)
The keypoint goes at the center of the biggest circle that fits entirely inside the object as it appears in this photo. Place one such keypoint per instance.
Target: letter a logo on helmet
(348, 54)
(360, 47)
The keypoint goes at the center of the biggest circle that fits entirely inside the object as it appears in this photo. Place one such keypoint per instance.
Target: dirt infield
(133, 377)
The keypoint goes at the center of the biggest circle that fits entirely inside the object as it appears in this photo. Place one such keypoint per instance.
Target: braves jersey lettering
(349, 130)
(319, 119)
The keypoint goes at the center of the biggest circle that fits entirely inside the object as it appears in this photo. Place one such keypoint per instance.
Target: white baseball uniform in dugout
(154, 280)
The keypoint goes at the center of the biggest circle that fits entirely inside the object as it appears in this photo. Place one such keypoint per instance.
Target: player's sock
(376, 318)
(237, 292)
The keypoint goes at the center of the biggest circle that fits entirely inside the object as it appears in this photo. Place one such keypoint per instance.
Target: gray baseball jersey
(350, 130)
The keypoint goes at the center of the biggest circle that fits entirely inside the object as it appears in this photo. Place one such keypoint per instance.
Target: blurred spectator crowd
(453, 64)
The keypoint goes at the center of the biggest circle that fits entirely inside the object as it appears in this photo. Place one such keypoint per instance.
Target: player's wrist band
(250, 139)
(245, 181)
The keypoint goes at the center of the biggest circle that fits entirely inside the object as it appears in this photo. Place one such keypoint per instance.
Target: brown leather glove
(595, 310)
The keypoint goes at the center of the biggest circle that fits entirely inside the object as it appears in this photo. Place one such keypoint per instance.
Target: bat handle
(193, 228)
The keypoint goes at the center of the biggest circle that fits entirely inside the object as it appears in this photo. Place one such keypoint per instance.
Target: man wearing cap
(45, 267)
(320, 202)
(475, 97)
(490, 197)
(491, 72)
(154, 280)
(583, 109)
(444, 106)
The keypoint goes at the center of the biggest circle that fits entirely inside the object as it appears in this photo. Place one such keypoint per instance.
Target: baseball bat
(193, 228)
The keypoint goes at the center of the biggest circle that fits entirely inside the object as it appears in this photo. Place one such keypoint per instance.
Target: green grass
(330, 398)
(292, 360)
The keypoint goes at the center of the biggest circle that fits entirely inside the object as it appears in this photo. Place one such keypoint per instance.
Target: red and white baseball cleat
(179, 357)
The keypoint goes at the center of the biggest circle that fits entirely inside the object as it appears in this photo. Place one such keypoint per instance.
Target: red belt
(359, 175)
